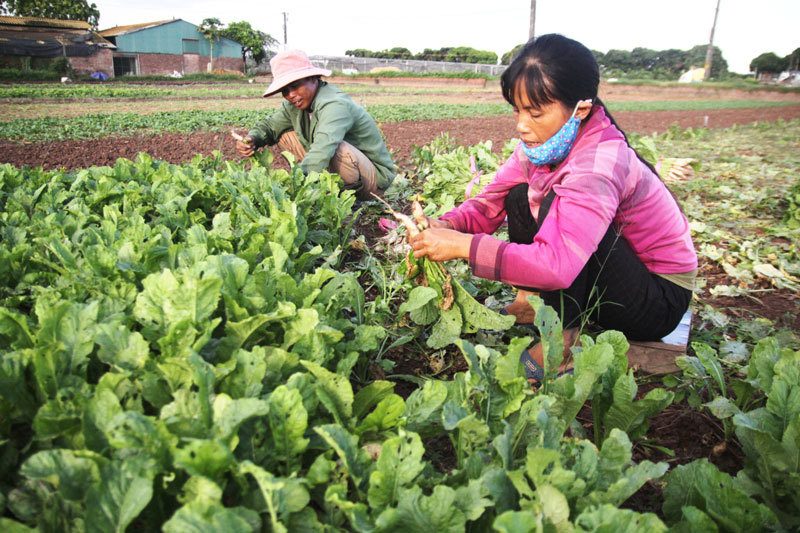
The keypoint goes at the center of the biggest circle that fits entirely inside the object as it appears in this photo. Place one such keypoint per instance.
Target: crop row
(129, 124)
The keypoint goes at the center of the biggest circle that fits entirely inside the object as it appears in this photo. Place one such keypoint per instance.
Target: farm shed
(33, 42)
(168, 46)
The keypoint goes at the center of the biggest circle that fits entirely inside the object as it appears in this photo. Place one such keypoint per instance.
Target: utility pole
(533, 19)
(710, 50)
(285, 41)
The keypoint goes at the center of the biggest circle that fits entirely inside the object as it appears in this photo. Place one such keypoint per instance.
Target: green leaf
(68, 329)
(229, 414)
(124, 350)
(417, 299)
(436, 513)
(517, 522)
(334, 391)
(700, 484)
(632, 417)
(423, 406)
(71, 472)
(246, 379)
(552, 340)
(398, 466)
(477, 316)
(124, 491)
(166, 301)
(135, 432)
(370, 395)
(288, 421)
(14, 330)
(387, 414)
(447, 330)
(471, 500)
(283, 496)
(554, 505)
(722, 407)
(207, 458)
(354, 459)
(608, 518)
(708, 356)
(210, 519)
(100, 411)
(695, 520)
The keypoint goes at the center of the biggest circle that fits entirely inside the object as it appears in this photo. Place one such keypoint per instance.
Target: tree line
(653, 64)
(772, 62)
(457, 54)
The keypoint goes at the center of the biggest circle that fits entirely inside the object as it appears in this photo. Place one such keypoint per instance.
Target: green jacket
(332, 118)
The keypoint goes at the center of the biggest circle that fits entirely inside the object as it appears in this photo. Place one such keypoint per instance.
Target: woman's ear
(583, 108)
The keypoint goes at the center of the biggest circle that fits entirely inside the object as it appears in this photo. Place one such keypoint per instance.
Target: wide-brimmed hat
(289, 66)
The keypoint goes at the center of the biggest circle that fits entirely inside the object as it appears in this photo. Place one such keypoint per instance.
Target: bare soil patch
(401, 137)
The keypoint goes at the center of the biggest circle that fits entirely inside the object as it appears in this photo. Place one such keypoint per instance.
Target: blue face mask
(556, 148)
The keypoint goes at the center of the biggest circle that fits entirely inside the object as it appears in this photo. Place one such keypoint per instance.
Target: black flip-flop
(534, 371)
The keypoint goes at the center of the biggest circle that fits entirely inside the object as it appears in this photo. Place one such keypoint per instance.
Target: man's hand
(245, 147)
(441, 244)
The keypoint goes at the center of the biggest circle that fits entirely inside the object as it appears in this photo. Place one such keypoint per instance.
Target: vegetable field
(208, 344)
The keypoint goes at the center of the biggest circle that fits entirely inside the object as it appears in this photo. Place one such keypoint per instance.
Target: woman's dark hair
(555, 68)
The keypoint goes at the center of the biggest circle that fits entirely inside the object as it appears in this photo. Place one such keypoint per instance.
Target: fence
(366, 64)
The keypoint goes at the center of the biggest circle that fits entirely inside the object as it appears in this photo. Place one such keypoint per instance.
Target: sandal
(534, 371)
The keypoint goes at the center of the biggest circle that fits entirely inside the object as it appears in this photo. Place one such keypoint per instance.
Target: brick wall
(167, 63)
(227, 63)
(159, 63)
(101, 61)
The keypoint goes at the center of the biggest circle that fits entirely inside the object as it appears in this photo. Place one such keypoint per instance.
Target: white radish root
(237, 136)
(419, 214)
(405, 220)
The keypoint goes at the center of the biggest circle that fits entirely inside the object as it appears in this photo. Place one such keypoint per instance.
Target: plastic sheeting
(47, 44)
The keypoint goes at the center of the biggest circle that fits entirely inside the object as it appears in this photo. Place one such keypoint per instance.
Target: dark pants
(615, 290)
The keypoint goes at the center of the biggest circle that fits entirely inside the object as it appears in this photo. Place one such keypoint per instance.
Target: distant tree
(399, 52)
(619, 59)
(697, 57)
(793, 60)
(644, 58)
(254, 42)
(509, 56)
(61, 9)
(211, 28)
(769, 62)
(359, 52)
(673, 61)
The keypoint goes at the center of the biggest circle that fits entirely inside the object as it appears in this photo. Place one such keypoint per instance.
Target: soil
(401, 137)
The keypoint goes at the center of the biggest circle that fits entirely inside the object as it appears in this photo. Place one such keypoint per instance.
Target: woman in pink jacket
(592, 228)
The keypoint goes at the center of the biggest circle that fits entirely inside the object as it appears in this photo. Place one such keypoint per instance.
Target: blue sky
(745, 29)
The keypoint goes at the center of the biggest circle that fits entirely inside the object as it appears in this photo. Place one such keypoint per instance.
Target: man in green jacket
(322, 127)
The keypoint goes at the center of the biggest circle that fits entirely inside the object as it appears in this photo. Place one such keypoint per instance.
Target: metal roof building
(167, 46)
(162, 47)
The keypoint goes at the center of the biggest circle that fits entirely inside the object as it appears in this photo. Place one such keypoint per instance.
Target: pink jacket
(601, 182)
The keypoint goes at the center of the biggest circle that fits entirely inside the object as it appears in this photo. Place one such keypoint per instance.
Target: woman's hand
(244, 147)
(440, 243)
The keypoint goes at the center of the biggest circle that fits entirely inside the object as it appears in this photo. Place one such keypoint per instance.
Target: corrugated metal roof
(130, 28)
(45, 23)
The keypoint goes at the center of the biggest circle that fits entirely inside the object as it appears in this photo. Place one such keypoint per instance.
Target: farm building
(169, 46)
(33, 43)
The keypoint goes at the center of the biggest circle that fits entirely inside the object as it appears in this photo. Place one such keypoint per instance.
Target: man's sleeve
(335, 120)
(268, 131)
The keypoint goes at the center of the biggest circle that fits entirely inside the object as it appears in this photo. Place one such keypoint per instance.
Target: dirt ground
(401, 137)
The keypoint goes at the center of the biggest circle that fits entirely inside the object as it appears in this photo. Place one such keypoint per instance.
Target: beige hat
(289, 66)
